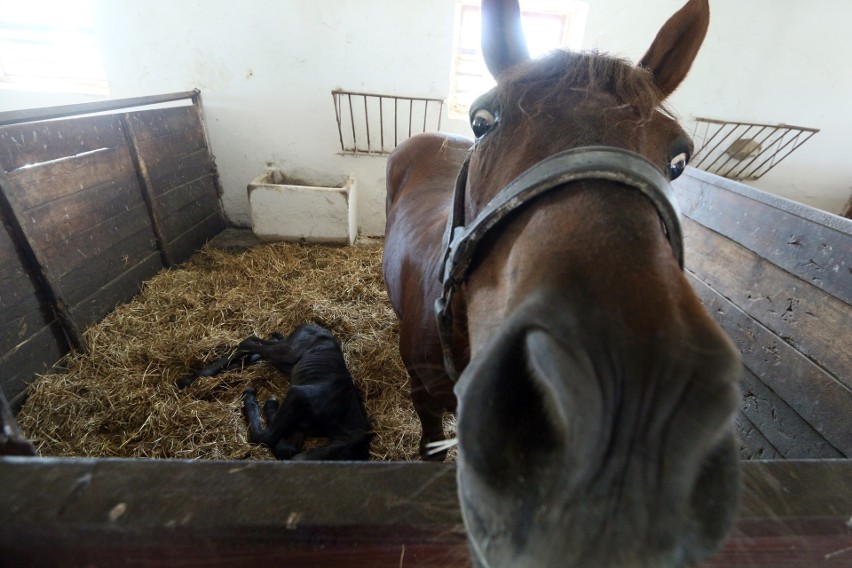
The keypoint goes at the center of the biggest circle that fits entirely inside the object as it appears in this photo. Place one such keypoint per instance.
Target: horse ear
(676, 45)
(503, 43)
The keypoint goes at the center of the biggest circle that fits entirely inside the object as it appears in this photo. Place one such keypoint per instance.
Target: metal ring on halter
(583, 163)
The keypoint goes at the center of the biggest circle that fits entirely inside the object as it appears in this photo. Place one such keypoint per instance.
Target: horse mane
(552, 81)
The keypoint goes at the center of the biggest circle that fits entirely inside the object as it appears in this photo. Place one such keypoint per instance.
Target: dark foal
(322, 402)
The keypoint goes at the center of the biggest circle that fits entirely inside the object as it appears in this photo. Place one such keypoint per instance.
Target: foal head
(595, 413)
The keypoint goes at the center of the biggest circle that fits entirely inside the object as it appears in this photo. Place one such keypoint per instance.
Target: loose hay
(120, 399)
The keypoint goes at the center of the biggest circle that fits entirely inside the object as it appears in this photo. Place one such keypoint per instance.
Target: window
(548, 24)
(50, 45)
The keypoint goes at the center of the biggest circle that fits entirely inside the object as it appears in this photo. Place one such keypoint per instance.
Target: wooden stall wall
(92, 206)
(777, 276)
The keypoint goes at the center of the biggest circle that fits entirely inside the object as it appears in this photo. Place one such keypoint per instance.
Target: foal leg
(294, 410)
(352, 447)
(252, 412)
(270, 407)
(288, 447)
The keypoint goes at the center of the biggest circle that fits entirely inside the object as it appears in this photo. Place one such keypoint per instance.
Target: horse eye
(482, 122)
(677, 165)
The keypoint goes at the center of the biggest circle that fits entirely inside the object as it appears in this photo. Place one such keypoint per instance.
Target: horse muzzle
(552, 470)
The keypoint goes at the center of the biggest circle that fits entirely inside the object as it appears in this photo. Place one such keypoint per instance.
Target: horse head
(595, 412)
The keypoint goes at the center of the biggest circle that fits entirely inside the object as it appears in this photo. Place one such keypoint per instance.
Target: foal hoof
(249, 393)
(184, 382)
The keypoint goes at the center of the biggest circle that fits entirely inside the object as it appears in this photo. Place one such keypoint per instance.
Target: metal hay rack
(374, 124)
(744, 151)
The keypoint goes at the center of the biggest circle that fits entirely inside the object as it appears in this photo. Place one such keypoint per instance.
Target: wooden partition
(92, 206)
(777, 276)
(378, 515)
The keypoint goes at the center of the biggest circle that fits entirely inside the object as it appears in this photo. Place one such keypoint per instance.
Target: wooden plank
(811, 392)
(813, 321)
(192, 240)
(34, 143)
(813, 246)
(199, 111)
(36, 355)
(16, 283)
(153, 208)
(12, 442)
(788, 433)
(156, 123)
(382, 515)
(47, 113)
(98, 270)
(11, 211)
(20, 320)
(22, 308)
(753, 444)
(53, 180)
(62, 219)
(178, 222)
(118, 291)
(176, 171)
(202, 189)
(68, 255)
(158, 150)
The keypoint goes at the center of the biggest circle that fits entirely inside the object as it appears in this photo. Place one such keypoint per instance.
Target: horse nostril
(516, 414)
(715, 495)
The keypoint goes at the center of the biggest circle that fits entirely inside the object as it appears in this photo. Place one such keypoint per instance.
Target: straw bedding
(120, 399)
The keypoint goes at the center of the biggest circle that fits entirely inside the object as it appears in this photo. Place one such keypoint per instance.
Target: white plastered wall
(266, 69)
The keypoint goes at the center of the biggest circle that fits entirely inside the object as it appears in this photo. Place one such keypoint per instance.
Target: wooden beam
(381, 515)
(808, 243)
(199, 111)
(12, 442)
(147, 190)
(11, 212)
(48, 113)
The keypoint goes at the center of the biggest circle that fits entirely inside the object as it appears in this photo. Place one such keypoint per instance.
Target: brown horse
(596, 395)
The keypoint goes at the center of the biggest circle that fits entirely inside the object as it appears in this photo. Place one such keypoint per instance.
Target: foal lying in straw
(322, 402)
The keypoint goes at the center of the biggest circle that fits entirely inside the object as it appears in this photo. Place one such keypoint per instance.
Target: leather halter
(583, 163)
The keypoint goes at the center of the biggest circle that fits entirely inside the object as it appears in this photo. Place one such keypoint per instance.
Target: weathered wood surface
(33, 260)
(821, 400)
(776, 275)
(787, 432)
(12, 441)
(810, 244)
(174, 513)
(39, 142)
(62, 111)
(97, 205)
(811, 320)
(36, 354)
(151, 203)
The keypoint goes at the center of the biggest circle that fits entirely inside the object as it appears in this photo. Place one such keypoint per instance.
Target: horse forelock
(553, 81)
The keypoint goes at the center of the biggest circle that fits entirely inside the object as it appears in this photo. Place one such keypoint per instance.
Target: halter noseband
(583, 163)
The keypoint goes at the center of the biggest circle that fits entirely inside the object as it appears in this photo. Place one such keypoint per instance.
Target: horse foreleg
(431, 414)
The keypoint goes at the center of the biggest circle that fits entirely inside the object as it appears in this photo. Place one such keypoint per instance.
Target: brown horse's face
(594, 417)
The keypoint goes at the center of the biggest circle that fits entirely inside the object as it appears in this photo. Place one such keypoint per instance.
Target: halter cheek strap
(583, 163)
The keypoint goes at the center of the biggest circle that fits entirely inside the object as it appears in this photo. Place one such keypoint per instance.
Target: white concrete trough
(320, 210)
